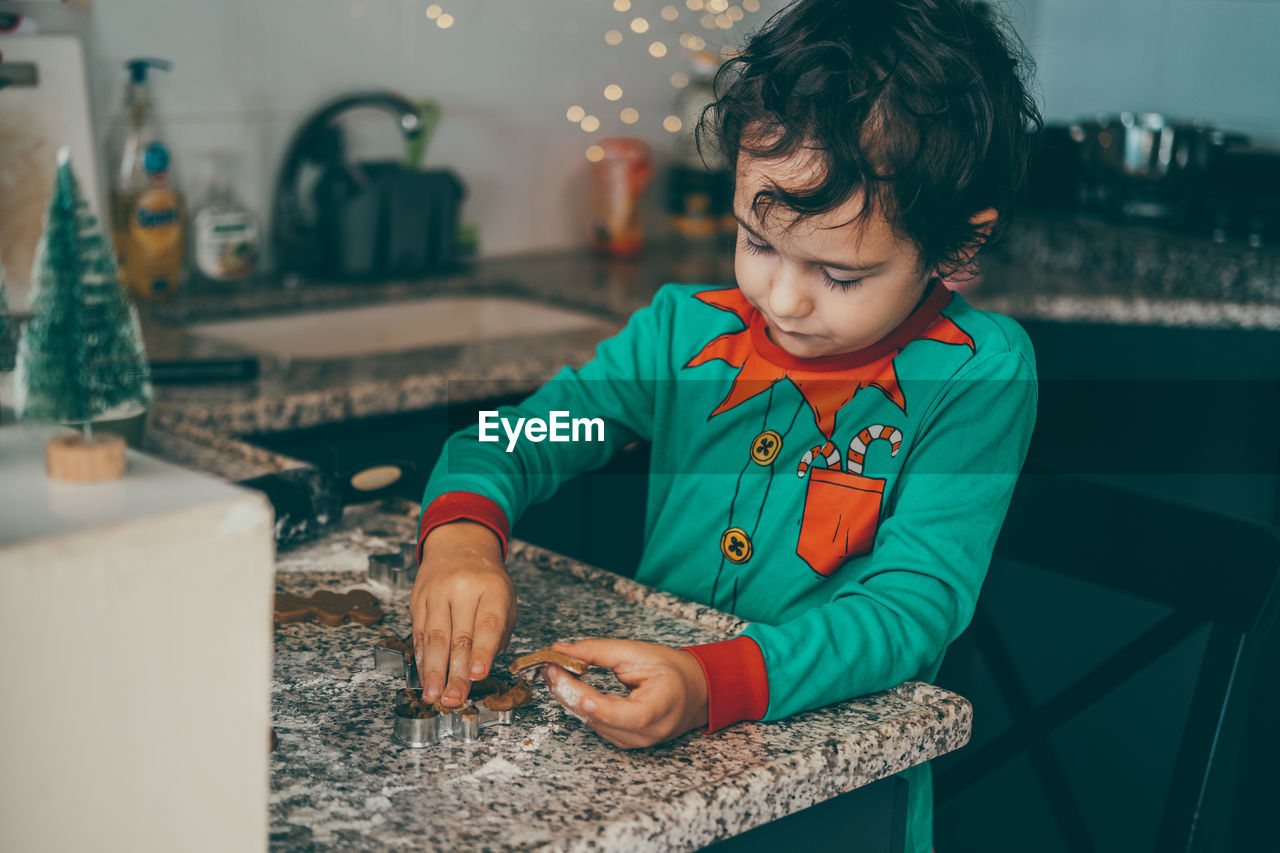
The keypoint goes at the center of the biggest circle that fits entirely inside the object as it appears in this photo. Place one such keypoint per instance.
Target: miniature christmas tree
(81, 354)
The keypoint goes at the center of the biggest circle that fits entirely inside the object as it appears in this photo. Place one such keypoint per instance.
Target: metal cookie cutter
(393, 662)
(415, 731)
(426, 731)
(396, 570)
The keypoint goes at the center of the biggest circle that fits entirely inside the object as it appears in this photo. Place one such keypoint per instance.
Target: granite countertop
(1080, 269)
(338, 780)
(292, 394)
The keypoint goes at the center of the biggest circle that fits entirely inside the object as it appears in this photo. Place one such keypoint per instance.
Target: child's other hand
(463, 608)
(668, 691)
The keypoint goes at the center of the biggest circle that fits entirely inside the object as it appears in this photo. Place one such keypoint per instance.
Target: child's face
(826, 286)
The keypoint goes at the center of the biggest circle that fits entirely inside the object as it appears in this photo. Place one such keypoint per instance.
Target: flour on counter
(534, 738)
(498, 766)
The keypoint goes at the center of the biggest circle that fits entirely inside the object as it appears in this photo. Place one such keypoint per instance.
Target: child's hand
(668, 691)
(463, 608)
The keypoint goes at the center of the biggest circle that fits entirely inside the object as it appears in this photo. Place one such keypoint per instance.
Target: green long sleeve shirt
(845, 506)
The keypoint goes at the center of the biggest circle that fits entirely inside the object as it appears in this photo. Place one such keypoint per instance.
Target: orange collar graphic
(826, 383)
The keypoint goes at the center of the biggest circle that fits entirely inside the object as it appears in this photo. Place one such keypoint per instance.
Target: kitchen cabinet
(1189, 415)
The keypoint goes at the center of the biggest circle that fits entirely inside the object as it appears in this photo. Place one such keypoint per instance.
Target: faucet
(319, 140)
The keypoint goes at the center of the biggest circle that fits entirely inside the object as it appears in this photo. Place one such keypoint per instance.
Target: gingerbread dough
(404, 647)
(328, 608)
(542, 657)
(494, 693)
(411, 705)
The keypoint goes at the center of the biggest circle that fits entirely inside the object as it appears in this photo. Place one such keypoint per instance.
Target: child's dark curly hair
(919, 103)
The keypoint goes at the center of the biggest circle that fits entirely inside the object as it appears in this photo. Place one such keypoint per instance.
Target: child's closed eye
(765, 249)
(841, 283)
(756, 248)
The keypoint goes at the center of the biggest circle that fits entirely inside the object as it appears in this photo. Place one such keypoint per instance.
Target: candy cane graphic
(827, 450)
(858, 447)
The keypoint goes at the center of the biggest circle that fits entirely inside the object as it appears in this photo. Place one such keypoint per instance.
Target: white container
(135, 642)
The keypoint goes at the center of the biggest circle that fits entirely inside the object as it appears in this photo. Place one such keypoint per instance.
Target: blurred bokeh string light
(694, 25)
(436, 12)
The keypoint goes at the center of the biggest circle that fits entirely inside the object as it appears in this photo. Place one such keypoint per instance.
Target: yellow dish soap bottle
(146, 208)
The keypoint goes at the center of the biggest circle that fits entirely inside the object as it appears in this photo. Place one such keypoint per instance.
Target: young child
(835, 441)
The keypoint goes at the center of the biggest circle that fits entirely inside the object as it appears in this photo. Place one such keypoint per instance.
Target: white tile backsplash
(298, 53)
(504, 74)
(205, 42)
(1100, 56)
(247, 71)
(1192, 59)
(1222, 64)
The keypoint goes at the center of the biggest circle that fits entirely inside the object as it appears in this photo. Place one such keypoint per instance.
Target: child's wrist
(464, 534)
(697, 691)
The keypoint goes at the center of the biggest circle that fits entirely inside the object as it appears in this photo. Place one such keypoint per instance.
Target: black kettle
(367, 220)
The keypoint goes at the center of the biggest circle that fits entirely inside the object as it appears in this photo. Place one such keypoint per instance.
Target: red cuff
(455, 506)
(737, 684)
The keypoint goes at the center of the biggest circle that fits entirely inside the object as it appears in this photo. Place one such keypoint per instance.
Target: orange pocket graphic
(841, 513)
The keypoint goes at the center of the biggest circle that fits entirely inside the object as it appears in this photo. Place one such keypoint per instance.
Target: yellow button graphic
(736, 545)
(765, 447)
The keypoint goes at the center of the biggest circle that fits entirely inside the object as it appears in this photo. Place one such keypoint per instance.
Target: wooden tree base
(72, 459)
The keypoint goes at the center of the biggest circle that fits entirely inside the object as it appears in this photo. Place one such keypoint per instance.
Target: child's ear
(983, 221)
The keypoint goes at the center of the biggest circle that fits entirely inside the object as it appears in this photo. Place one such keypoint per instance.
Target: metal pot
(1149, 148)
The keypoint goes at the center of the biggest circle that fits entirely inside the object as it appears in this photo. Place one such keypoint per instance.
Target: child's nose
(788, 296)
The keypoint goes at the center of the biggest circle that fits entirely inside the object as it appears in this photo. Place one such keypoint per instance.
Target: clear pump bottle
(146, 208)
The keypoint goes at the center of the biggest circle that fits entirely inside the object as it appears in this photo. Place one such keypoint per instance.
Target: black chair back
(1196, 580)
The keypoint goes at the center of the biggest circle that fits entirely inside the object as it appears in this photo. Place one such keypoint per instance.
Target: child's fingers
(622, 737)
(619, 712)
(573, 693)
(626, 722)
(462, 639)
(490, 629)
(610, 654)
(433, 651)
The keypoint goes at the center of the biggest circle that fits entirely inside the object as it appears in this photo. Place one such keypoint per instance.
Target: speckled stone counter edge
(942, 722)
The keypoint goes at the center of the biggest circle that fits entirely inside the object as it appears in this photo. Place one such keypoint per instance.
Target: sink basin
(397, 326)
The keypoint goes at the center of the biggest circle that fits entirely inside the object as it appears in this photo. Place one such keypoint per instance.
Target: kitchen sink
(398, 326)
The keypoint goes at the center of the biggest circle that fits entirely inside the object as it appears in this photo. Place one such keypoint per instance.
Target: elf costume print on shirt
(842, 503)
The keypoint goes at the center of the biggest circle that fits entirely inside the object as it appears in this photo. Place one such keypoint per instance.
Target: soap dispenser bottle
(146, 208)
(224, 230)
